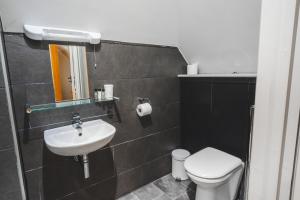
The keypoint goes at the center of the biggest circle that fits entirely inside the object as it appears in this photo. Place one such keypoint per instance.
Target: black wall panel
(215, 112)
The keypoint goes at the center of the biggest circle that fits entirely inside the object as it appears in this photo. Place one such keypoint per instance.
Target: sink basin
(67, 141)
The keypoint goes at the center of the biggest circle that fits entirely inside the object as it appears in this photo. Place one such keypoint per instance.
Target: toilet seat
(208, 181)
(211, 165)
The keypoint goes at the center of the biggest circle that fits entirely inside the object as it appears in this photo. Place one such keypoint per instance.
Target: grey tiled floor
(165, 188)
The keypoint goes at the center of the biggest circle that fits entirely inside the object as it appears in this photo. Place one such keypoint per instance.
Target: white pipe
(86, 169)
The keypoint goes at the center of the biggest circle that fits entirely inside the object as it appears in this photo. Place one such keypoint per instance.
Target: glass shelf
(52, 106)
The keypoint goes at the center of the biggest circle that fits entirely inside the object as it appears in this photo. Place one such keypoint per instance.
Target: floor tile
(188, 184)
(188, 195)
(165, 188)
(129, 196)
(163, 197)
(170, 187)
(148, 192)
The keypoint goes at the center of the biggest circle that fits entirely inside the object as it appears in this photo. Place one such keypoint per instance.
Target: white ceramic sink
(67, 141)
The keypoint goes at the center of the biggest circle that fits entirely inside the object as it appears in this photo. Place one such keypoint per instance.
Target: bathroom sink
(69, 141)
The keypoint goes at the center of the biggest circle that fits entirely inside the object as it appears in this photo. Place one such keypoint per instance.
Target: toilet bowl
(216, 174)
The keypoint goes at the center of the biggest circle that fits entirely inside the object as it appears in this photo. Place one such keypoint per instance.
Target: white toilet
(217, 174)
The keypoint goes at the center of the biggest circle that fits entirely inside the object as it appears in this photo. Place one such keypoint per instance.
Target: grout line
(145, 163)
(96, 116)
(35, 169)
(20, 34)
(62, 122)
(149, 135)
(112, 147)
(139, 78)
(117, 79)
(6, 149)
(89, 186)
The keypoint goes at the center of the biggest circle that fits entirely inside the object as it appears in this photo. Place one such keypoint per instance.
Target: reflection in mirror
(69, 72)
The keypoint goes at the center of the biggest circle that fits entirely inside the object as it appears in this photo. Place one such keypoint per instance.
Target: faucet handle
(76, 116)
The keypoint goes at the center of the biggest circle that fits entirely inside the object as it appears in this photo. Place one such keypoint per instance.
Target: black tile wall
(140, 150)
(215, 112)
(9, 182)
(1, 77)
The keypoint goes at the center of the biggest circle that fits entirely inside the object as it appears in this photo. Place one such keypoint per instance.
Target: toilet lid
(211, 163)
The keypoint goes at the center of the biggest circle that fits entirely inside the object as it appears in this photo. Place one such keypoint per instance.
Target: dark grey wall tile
(162, 143)
(39, 93)
(119, 61)
(28, 61)
(61, 175)
(130, 154)
(29, 94)
(105, 190)
(129, 181)
(13, 195)
(160, 91)
(128, 129)
(132, 126)
(134, 153)
(19, 103)
(3, 102)
(32, 153)
(156, 168)
(1, 76)
(5, 133)
(9, 183)
(135, 71)
(34, 184)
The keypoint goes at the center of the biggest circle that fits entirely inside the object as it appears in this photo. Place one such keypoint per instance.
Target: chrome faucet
(76, 122)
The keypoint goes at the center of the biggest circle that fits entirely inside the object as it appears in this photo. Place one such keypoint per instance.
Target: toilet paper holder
(143, 100)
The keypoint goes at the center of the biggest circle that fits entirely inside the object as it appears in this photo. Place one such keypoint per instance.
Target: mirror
(69, 72)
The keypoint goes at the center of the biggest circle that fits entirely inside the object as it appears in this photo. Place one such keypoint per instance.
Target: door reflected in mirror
(69, 72)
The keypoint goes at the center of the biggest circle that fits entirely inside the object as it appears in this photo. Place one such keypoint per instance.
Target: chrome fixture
(76, 122)
(143, 100)
(86, 167)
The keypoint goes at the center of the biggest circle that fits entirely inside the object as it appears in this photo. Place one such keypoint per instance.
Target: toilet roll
(109, 91)
(144, 109)
(192, 69)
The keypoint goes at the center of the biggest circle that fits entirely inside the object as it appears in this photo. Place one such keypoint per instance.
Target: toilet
(217, 174)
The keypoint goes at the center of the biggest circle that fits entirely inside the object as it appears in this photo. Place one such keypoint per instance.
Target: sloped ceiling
(222, 35)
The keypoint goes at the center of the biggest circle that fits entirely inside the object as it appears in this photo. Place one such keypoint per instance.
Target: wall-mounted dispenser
(60, 34)
(144, 108)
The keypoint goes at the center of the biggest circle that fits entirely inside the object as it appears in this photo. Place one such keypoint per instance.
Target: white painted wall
(222, 35)
(140, 21)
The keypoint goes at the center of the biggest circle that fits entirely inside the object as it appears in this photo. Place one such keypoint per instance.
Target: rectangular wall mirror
(69, 72)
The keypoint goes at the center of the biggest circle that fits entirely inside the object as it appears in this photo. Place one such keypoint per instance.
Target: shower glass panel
(11, 176)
